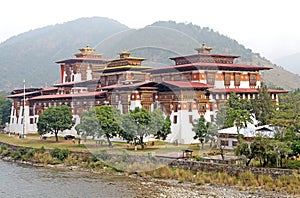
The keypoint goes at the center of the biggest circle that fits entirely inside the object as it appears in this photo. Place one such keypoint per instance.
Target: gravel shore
(151, 188)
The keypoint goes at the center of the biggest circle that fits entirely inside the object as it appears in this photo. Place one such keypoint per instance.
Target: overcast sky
(270, 28)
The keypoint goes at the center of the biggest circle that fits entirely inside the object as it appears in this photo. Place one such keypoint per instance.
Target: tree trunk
(56, 137)
(248, 162)
(142, 142)
(109, 142)
(222, 153)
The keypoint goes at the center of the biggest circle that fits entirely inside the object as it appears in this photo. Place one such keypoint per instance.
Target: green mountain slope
(31, 55)
(290, 62)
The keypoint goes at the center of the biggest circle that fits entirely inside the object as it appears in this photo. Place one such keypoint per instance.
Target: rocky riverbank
(172, 189)
(149, 186)
(158, 188)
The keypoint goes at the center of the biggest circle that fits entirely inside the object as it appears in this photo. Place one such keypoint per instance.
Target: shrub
(30, 153)
(181, 180)
(48, 159)
(198, 158)
(293, 164)
(7, 152)
(3, 148)
(60, 154)
(22, 150)
(17, 156)
(93, 158)
(71, 160)
(165, 172)
(103, 155)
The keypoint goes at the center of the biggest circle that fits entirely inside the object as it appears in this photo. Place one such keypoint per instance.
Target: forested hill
(32, 55)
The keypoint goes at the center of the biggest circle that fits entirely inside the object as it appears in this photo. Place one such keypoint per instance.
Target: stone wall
(230, 169)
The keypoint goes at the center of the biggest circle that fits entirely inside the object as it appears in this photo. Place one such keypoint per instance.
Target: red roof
(49, 89)
(79, 95)
(130, 85)
(76, 83)
(244, 90)
(187, 84)
(215, 66)
(197, 55)
(81, 59)
(22, 94)
(38, 92)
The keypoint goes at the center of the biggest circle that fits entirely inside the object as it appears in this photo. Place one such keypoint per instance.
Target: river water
(26, 181)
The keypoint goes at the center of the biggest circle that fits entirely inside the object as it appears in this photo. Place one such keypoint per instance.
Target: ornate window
(167, 77)
(202, 107)
(175, 119)
(252, 80)
(177, 77)
(227, 79)
(210, 78)
(190, 106)
(237, 79)
(158, 78)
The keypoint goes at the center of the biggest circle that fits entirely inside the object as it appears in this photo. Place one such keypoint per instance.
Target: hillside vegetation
(32, 55)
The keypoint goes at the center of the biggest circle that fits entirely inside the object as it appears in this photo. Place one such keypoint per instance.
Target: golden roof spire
(87, 52)
(203, 49)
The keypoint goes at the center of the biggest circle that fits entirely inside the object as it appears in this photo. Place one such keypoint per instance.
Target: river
(26, 181)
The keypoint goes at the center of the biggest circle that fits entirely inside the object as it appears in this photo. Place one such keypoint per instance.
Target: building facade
(196, 85)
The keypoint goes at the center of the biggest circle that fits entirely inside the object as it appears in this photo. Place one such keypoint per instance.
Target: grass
(34, 141)
(91, 146)
(245, 181)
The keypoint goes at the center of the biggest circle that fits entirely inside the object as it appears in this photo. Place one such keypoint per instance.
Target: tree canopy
(89, 124)
(55, 119)
(287, 114)
(263, 107)
(100, 121)
(269, 152)
(5, 107)
(236, 112)
(139, 123)
(204, 131)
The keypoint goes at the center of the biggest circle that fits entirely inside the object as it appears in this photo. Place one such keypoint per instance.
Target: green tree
(165, 130)
(200, 128)
(243, 149)
(259, 149)
(5, 108)
(212, 134)
(241, 118)
(279, 151)
(108, 118)
(263, 106)
(287, 114)
(55, 119)
(204, 131)
(139, 123)
(100, 121)
(235, 112)
(295, 148)
(225, 117)
(89, 124)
